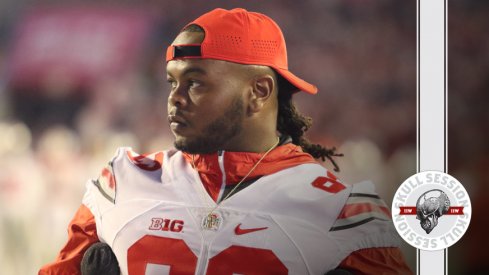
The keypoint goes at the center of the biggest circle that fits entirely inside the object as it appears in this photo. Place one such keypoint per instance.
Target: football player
(241, 193)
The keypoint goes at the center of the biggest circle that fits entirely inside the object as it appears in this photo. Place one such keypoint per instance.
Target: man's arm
(378, 260)
(82, 233)
(364, 225)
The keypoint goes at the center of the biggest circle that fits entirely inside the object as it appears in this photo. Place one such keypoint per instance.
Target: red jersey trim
(238, 164)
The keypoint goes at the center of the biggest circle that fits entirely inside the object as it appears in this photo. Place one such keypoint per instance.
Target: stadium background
(80, 78)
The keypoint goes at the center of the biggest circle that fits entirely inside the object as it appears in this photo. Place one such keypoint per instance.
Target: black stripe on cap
(186, 51)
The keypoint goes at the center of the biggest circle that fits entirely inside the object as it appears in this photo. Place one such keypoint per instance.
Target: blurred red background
(80, 78)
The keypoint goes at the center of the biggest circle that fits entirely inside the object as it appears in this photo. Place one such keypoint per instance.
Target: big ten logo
(166, 225)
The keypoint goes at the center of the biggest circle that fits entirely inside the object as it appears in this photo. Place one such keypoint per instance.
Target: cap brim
(300, 84)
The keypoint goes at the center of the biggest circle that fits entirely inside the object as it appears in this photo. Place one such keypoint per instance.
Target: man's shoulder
(129, 167)
(128, 160)
(307, 192)
(148, 162)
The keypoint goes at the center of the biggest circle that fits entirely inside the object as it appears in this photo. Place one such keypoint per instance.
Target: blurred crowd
(57, 132)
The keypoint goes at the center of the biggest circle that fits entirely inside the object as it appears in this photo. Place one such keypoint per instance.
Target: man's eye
(172, 83)
(194, 83)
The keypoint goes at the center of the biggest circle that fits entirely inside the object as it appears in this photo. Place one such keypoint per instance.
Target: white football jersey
(300, 220)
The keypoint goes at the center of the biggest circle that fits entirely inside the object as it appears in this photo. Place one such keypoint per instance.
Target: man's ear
(262, 89)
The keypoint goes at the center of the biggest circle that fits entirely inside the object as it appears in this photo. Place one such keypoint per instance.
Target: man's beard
(217, 133)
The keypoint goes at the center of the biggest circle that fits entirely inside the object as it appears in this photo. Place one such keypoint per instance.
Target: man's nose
(178, 97)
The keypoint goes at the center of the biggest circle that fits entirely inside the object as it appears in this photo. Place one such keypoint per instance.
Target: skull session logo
(431, 210)
(428, 210)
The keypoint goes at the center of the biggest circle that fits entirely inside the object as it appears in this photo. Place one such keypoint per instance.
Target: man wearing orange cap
(241, 193)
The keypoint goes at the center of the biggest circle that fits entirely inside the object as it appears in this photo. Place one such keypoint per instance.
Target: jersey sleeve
(82, 234)
(365, 232)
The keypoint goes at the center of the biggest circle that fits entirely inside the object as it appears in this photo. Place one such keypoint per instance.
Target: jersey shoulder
(307, 192)
(127, 164)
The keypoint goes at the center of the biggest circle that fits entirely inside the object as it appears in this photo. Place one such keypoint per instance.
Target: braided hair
(292, 123)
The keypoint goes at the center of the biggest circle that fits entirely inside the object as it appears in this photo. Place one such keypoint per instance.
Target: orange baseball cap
(244, 37)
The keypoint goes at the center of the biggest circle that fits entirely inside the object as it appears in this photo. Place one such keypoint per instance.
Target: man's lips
(177, 124)
(176, 119)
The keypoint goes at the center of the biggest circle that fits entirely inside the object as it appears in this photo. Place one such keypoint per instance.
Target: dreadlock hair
(292, 123)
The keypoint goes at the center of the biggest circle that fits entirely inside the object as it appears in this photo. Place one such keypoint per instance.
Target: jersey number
(329, 184)
(177, 255)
